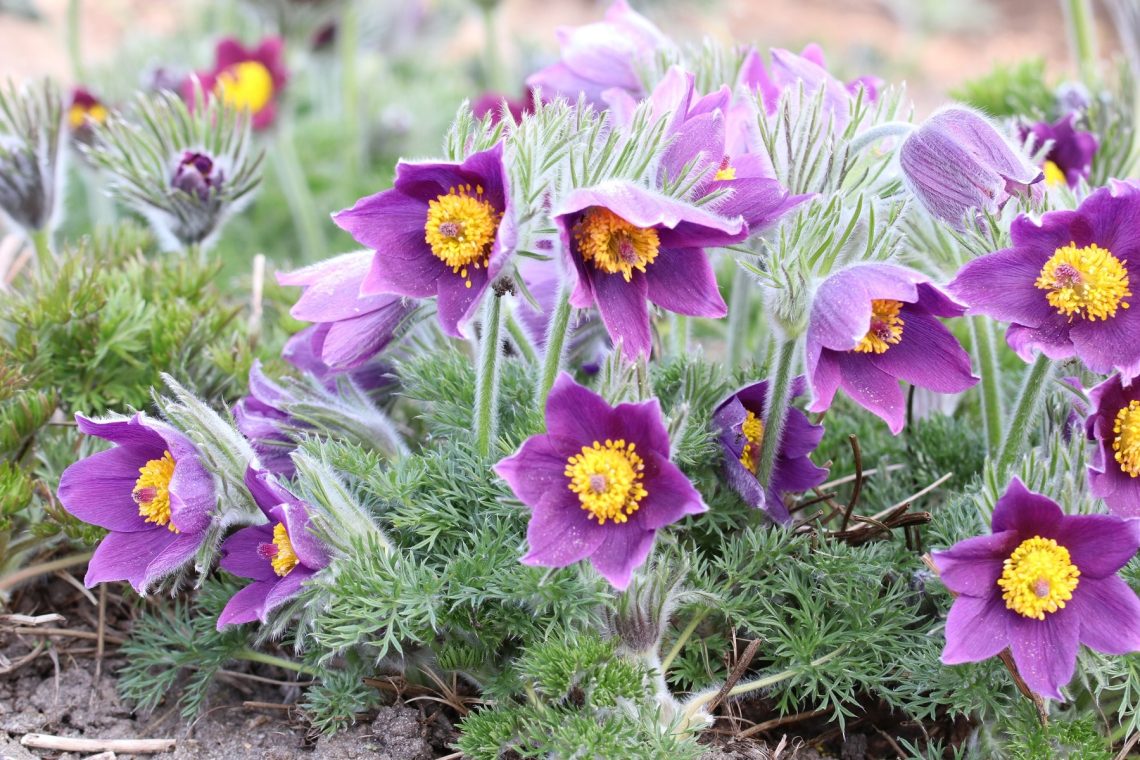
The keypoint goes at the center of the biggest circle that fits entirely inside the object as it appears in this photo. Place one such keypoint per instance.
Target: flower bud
(197, 175)
(31, 173)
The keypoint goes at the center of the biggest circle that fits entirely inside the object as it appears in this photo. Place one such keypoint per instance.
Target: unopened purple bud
(197, 175)
(958, 164)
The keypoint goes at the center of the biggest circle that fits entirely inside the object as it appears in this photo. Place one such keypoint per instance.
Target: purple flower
(1065, 285)
(587, 344)
(1041, 583)
(1114, 426)
(248, 79)
(872, 325)
(740, 421)
(86, 112)
(350, 328)
(599, 483)
(278, 556)
(957, 163)
(492, 103)
(602, 55)
(150, 491)
(809, 69)
(629, 245)
(261, 417)
(1069, 160)
(443, 230)
(198, 175)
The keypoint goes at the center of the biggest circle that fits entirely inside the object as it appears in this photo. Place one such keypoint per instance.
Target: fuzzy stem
(520, 339)
(555, 342)
(487, 374)
(8, 582)
(491, 48)
(41, 240)
(348, 34)
(252, 655)
(1025, 413)
(738, 316)
(987, 360)
(682, 637)
(1082, 34)
(74, 51)
(777, 406)
(874, 134)
(295, 185)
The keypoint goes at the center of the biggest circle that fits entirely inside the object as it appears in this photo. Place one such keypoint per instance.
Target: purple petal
(670, 497)
(872, 388)
(141, 558)
(351, 342)
(192, 496)
(641, 423)
(1025, 512)
(308, 548)
(285, 589)
(98, 489)
(241, 555)
(456, 303)
(1045, 651)
(332, 288)
(246, 605)
(973, 566)
(1108, 345)
(1098, 545)
(625, 548)
(1109, 614)
(825, 377)
(645, 209)
(975, 629)
(624, 311)
(138, 432)
(561, 536)
(575, 413)
(928, 355)
(683, 281)
(1051, 339)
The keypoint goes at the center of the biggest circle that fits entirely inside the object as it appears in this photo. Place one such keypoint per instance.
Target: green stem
(739, 316)
(520, 339)
(8, 582)
(491, 48)
(252, 655)
(986, 356)
(348, 34)
(74, 51)
(1082, 34)
(683, 637)
(777, 405)
(295, 185)
(41, 240)
(555, 342)
(1029, 402)
(486, 392)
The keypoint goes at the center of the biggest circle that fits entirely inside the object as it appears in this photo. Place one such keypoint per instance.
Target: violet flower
(599, 483)
(443, 230)
(278, 556)
(262, 418)
(85, 113)
(872, 325)
(350, 328)
(602, 55)
(492, 103)
(740, 422)
(1065, 285)
(1069, 160)
(150, 491)
(1114, 427)
(248, 79)
(957, 163)
(630, 246)
(197, 174)
(808, 69)
(1041, 583)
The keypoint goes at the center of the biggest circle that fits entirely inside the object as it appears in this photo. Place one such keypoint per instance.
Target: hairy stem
(74, 51)
(295, 185)
(738, 316)
(777, 406)
(555, 343)
(520, 339)
(683, 637)
(491, 48)
(252, 655)
(1029, 402)
(487, 375)
(986, 356)
(348, 40)
(1082, 35)
(882, 131)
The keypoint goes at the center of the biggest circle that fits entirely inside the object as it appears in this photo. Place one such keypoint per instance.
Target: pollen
(1054, 177)
(753, 430)
(284, 559)
(246, 86)
(1126, 444)
(725, 173)
(886, 327)
(608, 480)
(152, 490)
(1087, 282)
(1039, 577)
(79, 115)
(613, 244)
(461, 228)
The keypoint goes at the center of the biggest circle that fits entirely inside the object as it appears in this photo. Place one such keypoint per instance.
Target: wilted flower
(599, 483)
(739, 419)
(875, 324)
(630, 245)
(957, 163)
(263, 419)
(1041, 583)
(247, 79)
(278, 556)
(808, 69)
(444, 230)
(1066, 283)
(603, 55)
(31, 161)
(1069, 160)
(1114, 426)
(151, 491)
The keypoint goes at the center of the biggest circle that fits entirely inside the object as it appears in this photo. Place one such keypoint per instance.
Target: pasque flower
(599, 483)
(1066, 283)
(1114, 427)
(262, 417)
(31, 155)
(1041, 583)
(85, 114)
(630, 246)
(150, 491)
(247, 79)
(808, 69)
(278, 556)
(739, 419)
(444, 230)
(1069, 160)
(957, 164)
(872, 325)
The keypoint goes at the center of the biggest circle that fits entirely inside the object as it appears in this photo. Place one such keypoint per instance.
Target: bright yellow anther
(460, 229)
(753, 429)
(1126, 444)
(1087, 282)
(1038, 577)
(152, 490)
(613, 244)
(725, 173)
(1054, 177)
(245, 86)
(78, 115)
(607, 478)
(284, 559)
(886, 327)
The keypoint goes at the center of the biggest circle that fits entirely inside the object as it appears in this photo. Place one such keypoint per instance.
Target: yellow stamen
(78, 115)
(1087, 282)
(613, 244)
(461, 228)
(284, 559)
(753, 430)
(1038, 577)
(886, 327)
(152, 490)
(607, 478)
(1127, 441)
(725, 173)
(246, 86)
(1054, 177)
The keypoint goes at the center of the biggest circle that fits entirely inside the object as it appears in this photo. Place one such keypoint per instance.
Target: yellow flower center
(460, 229)
(753, 429)
(1038, 577)
(886, 327)
(1086, 282)
(79, 115)
(1127, 441)
(245, 86)
(152, 490)
(725, 173)
(1054, 177)
(607, 478)
(613, 244)
(284, 558)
